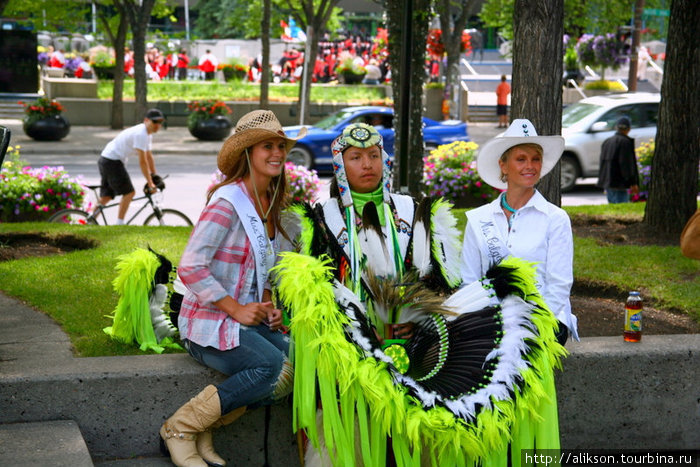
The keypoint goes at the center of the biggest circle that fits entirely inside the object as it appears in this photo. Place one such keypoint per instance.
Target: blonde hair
(504, 157)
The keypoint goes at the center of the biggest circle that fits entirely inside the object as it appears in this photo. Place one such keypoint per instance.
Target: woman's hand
(274, 319)
(250, 314)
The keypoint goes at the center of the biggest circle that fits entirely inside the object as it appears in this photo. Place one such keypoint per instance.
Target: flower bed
(450, 172)
(645, 154)
(30, 194)
(304, 184)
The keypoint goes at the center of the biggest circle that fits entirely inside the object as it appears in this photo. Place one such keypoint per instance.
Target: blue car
(314, 150)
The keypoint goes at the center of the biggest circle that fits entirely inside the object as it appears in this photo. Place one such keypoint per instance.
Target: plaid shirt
(218, 261)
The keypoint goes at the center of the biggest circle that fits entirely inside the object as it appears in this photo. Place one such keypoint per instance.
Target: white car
(589, 122)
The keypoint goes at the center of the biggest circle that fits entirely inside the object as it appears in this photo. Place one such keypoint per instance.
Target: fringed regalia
(473, 383)
(139, 316)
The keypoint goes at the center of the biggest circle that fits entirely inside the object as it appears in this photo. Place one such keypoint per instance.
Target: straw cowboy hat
(252, 128)
(521, 131)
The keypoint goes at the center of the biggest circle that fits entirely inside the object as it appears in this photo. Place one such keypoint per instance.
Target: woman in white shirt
(521, 222)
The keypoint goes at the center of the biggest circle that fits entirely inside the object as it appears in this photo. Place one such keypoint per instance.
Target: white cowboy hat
(252, 128)
(520, 131)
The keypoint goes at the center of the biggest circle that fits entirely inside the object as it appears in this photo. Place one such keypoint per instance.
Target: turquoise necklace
(506, 206)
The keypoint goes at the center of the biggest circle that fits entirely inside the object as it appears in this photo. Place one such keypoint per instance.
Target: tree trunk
(316, 17)
(117, 40)
(452, 27)
(265, 75)
(408, 162)
(537, 74)
(139, 16)
(674, 169)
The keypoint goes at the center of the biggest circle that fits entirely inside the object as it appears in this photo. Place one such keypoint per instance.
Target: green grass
(75, 289)
(234, 91)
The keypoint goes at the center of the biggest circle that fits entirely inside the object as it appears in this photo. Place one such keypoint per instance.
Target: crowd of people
(359, 52)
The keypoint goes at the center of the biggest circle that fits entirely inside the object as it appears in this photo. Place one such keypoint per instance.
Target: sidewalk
(92, 139)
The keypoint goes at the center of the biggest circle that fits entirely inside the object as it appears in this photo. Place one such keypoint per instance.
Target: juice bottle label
(633, 320)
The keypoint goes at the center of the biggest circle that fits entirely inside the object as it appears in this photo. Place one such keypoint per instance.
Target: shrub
(604, 85)
(450, 171)
(234, 69)
(35, 193)
(645, 154)
(304, 184)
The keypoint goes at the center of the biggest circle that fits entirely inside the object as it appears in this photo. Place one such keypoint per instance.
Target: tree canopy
(593, 16)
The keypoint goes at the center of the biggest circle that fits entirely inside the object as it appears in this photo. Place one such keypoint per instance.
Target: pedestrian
(227, 319)
(367, 293)
(502, 92)
(208, 63)
(643, 59)
(618, 174)
(183, 62)
(521, 222)
(136, 140)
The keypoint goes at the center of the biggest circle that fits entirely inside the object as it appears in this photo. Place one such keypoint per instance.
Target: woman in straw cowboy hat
(227, 320)
(521, 222)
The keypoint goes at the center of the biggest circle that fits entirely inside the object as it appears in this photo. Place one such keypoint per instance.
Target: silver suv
(589, 122)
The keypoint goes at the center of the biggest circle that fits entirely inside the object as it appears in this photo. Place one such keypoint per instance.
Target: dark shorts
(501, 110)
(115, 179)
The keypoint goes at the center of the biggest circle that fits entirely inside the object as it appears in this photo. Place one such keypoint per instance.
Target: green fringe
(353, 386)
(132, 317)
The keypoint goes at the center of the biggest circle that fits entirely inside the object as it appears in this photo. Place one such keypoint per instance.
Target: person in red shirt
(182, 62)
(502, 92)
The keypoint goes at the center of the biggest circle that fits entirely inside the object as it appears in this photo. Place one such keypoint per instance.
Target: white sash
(254, 229)
(495, 247)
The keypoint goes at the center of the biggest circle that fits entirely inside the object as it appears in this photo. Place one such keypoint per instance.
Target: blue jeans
(252, 368)
(617, 195)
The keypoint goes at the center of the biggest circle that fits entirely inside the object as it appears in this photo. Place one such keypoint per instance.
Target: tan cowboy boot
(180, 431)
(205, 442)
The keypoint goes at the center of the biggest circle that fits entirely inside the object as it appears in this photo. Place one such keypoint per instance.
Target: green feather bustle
(358, 391)
(132, 317)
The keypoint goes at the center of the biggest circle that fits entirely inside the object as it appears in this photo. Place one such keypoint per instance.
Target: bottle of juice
(633, 318)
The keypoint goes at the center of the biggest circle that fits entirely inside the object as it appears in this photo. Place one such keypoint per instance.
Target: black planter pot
(352, 78)
(48, 129)
(211, 129)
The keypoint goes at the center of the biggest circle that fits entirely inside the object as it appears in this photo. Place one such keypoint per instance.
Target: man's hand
(634, 189)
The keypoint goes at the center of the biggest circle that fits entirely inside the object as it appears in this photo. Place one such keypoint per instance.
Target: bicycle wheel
(170, 217)
(72, 216)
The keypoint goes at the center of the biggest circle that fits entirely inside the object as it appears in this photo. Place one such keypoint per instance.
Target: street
(190, 175)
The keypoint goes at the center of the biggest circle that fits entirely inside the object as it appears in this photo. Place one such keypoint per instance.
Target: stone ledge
(611, 395)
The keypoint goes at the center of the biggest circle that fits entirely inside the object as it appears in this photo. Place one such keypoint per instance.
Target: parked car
(589, 122)
(314, 150)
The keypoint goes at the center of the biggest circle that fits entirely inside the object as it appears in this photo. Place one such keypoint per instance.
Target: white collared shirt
(540, 232)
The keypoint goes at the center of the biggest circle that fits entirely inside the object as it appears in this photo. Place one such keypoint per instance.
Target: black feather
(471, 337)
(370, 221)
(502, 280)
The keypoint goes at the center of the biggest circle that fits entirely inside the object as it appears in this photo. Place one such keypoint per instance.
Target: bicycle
(159, 216)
